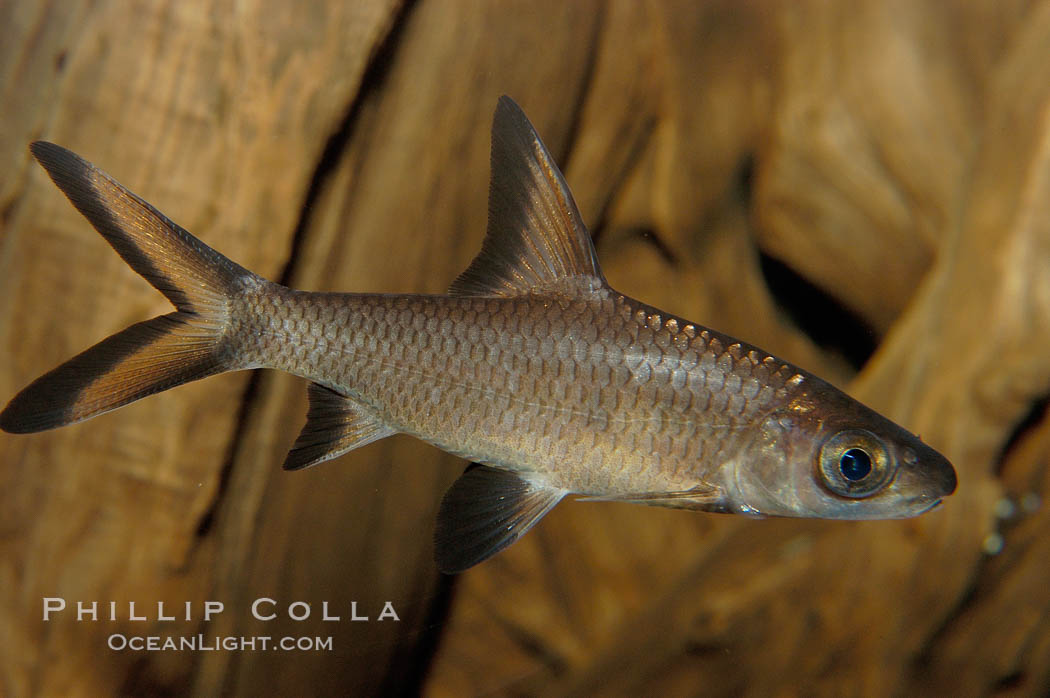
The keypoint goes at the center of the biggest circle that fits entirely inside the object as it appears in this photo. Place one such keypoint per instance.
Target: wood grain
(805, 176)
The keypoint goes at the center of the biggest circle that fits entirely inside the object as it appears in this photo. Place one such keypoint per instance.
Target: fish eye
(855, 463)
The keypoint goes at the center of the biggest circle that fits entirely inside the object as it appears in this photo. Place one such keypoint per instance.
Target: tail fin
(150, 356)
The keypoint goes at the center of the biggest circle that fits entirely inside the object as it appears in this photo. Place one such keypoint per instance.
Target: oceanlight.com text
(212, 643)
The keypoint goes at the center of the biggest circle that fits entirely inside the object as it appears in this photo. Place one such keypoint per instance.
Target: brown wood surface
(820, 179)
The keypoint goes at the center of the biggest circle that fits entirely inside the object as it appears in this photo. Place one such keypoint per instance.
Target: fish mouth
(940, 481)
(933, 505)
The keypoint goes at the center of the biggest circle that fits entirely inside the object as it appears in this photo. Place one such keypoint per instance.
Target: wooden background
(862, 187)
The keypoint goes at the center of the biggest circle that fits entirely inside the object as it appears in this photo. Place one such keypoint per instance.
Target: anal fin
(483, 512)
(334, 425)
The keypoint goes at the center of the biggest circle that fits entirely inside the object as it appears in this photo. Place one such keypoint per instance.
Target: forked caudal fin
(150, 356)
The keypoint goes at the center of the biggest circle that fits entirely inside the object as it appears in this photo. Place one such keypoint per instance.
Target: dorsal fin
(536, 241)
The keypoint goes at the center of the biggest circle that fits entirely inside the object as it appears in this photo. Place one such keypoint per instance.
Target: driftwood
(858, 187)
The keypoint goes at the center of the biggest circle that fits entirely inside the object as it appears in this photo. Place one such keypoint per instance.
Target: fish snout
(942, 477)
(934, 472)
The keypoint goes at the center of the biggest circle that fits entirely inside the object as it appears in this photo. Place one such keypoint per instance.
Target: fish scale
(532, 367)
(654, 397)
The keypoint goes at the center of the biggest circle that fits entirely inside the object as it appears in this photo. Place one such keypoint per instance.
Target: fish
(531, 367)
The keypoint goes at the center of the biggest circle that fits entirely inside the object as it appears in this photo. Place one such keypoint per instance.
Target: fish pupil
(855, 464)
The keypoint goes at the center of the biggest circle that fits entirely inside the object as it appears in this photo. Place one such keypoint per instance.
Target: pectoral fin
(703, 497)
(334, 425)
(483, 512)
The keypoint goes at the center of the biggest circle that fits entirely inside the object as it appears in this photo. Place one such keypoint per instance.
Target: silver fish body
(532, 367)
(599, 396)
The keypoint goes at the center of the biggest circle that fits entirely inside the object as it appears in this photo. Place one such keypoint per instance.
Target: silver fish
(531, 366)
